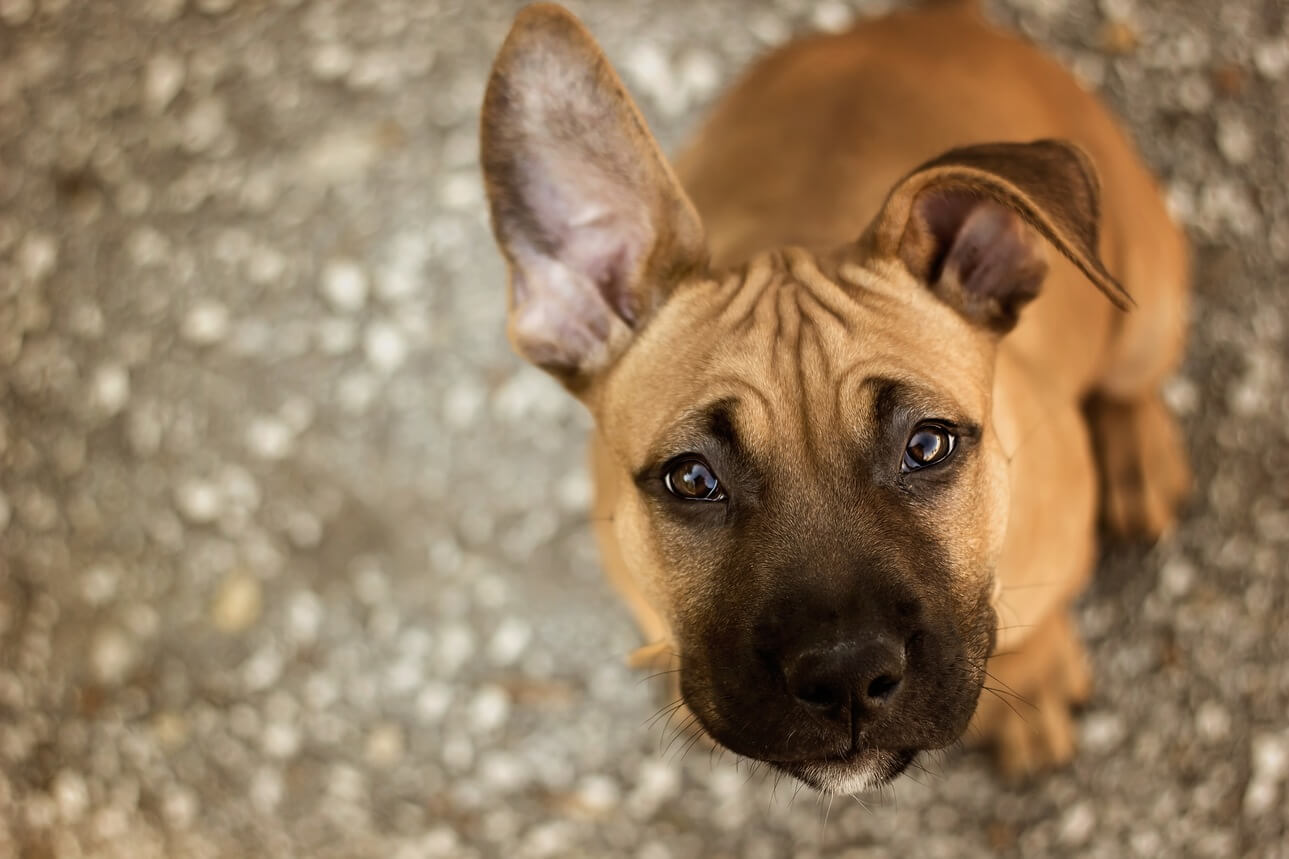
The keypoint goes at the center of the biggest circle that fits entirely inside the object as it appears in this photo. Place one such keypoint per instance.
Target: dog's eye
(929, 444)
(693, 480)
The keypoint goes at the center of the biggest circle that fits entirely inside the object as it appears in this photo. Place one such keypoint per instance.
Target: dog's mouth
(855, 772)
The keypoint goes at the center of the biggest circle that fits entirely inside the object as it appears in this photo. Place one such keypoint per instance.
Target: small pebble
(599, 794)
(179, 806)
(1177, 578)
(331, 61)
(831, 16)
(385, 745)
(71, 795)
(489, 709)
(15, 13)
(433, 701)
(267, 789)
(385, 347)
(37, 256)
(111, 389)
(503, 772)
(1272, 58)
(455, 646)
(265, 266)
(199, 501)
(99, 584)
(37, 509)
(509, 641)
(1077, 824)
(269, 438)
(263, 669)
(163, 80)
(112, 655)
(304, 615)
(280, 740)
(344, 285)
(1213, 722)
(215, 7)
(171, 728)
(335, 336)
(462, 404)
(1235, 139)
(207, 322)
(238, 603)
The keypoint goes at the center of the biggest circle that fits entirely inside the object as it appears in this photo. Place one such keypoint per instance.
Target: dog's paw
(1026, 709)
(1144, 471)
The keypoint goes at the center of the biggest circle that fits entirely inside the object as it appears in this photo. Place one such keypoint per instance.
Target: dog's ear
(968, 223)
(592, 222)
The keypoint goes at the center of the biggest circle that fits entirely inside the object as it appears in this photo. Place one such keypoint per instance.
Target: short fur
(873, 255)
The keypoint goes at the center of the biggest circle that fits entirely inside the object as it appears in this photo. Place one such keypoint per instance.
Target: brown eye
(929, 444)
(692, 480)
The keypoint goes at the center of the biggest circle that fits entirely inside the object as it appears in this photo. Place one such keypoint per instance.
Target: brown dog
(839, 473)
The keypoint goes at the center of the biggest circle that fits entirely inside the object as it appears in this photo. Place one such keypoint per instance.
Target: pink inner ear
(996, 256)
(591, 225)
(943, 214)
(985, 252)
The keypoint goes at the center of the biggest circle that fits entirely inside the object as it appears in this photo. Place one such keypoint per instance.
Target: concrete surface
(294, 552)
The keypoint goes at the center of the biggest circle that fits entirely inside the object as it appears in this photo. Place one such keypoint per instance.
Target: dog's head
(810, 490)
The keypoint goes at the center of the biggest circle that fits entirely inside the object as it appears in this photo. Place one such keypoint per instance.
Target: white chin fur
(845, 778)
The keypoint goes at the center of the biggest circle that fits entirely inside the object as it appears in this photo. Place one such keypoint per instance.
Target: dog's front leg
(1024, 713)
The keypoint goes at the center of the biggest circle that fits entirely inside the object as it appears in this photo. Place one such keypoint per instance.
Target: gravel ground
(295, 560)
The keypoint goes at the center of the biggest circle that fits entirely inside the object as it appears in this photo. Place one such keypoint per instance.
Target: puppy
(860, 368)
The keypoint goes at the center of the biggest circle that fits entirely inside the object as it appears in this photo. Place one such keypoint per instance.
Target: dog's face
(809, 489)
(815, 504)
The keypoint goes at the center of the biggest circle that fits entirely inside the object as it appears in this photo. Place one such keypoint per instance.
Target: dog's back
(804, 148)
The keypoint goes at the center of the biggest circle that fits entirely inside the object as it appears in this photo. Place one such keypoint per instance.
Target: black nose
(847, 679)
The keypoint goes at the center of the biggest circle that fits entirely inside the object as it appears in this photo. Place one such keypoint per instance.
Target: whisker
(1029, 585)
(665, 709)
(1021, 697)
(680, 730)
(1009, 704)
(693, 741)
(827, 812)
(925, 770)
(656, 674)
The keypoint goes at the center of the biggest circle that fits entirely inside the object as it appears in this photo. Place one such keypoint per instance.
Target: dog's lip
(854, 756)
(859, 754)
(858, 770)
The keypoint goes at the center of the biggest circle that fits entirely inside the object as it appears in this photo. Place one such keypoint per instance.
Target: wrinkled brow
(701, 428)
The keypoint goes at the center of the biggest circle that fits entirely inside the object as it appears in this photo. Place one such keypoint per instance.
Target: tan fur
(812, 151)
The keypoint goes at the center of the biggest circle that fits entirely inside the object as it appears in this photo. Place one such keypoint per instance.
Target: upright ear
(591, 220)
(968, 224)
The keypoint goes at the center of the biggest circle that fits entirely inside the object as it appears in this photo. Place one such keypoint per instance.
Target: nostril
(815, 680)
(817, 695)
(882, 687)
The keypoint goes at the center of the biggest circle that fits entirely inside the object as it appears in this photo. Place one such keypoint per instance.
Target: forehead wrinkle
(748, 406)
(743, 294)
(752, 391)
(794, 333)
(826, 295)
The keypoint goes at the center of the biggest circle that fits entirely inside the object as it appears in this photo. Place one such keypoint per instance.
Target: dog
(864, 365)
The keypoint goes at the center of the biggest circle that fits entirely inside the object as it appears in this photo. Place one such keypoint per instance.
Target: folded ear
(589, 216)
(967, 224)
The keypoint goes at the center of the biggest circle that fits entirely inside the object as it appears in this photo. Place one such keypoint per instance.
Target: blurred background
(295, 560)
